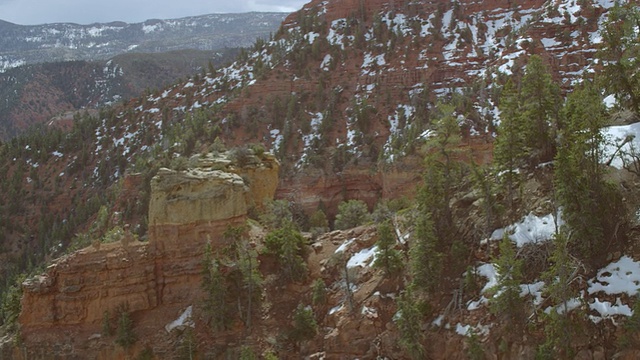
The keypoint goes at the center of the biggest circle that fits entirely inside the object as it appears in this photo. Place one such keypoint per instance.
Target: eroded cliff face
(154, 279)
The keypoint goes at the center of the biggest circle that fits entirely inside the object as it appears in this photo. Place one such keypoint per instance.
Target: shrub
(474, 348)
(277, 214)
(318, 223)
(351, 213)
(241, 155)
(246, 353)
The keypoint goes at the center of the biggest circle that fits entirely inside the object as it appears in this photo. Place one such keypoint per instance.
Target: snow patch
(363, 258)
(619, 277)
(532, 229)
(182, 321)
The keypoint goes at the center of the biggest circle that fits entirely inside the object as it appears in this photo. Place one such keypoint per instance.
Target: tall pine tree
(592, 207)
(540, 103)
(509, 155)
(620, 54)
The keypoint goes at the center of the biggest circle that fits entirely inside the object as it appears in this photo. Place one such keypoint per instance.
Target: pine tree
(387, 257)
(319, 293)
(507, 303)
(217, 304)
(351, 213)
(540, 104)
(304, 324)
(425, 261)
(125, 336)
(620, 54)
(484, 183)
(410, 326)
(558, 277)
(442, 171)
(592, 207)
(509, 155)
(288, 245)
(247, 261)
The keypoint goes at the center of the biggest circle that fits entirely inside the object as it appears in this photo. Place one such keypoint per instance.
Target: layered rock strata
(154, 278)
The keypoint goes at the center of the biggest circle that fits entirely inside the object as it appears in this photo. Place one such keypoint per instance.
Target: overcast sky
(32, 12)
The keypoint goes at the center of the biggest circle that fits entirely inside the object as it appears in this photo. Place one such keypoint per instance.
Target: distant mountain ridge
(29, 44)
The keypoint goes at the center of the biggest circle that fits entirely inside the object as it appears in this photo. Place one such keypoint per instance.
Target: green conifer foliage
(289, 247)
(508, 154)
(217, 303)
(540, 104)
(559, 327)
(425, 261)
(304, 324)
(351, 213)
(442, 173)
(409, 324)
(387, 258)
(620, 54)
(592, 207)
(125, 336)
(507, 303)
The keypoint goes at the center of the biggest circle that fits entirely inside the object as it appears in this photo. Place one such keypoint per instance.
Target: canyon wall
(154, 280)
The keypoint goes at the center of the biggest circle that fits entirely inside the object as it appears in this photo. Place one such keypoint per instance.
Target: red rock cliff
(155, 279)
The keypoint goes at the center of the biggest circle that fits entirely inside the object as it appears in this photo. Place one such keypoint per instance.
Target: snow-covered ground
(532, 229)
(617, 135)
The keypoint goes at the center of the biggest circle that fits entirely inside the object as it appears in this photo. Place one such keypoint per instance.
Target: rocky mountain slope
(21, 44)
(51, 93)
(344, 95)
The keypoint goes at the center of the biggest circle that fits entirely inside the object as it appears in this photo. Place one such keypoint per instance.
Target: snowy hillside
(65, 41)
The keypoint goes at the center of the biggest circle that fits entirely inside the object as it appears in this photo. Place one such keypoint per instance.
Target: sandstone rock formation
(187, 209)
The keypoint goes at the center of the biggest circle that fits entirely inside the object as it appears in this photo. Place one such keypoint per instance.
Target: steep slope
(340, 90)
(34, 94)
(22, 44)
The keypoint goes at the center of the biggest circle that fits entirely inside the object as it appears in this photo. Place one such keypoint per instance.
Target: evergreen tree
(304, 324)
(508, 153)
(288, 245)
(592, 207)
(351, 213)
(409, 324)
(387, 257)
(540, 104)
(277, 214)
(249, 297)
(620, 54)
(484, 183)
(425, 261)
(442, 171)
(507, 303)
(217, 303)
(558, 277)
(125, 336)
(319, 293)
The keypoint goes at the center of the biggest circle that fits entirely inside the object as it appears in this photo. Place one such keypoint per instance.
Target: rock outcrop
(153, 279)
